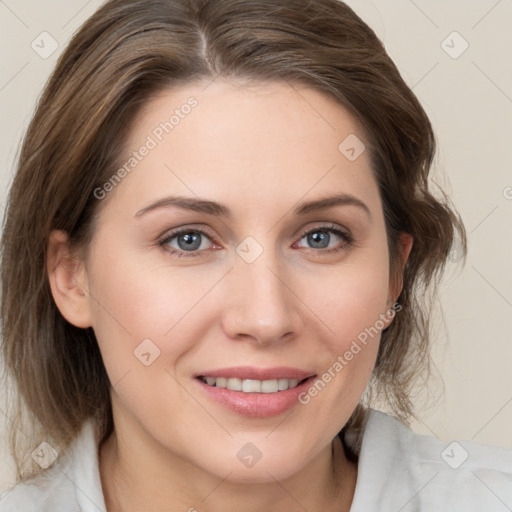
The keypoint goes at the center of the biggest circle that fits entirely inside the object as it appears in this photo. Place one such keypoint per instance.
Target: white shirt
(398, 471)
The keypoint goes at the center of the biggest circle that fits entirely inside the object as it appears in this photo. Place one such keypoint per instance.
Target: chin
(250, 464)
(262, 473)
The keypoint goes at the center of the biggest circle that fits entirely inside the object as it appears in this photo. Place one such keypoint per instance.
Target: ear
(68, 281)
(397, 282)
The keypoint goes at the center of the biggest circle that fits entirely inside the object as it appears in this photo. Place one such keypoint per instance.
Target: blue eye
(190, 243)
(320, 238)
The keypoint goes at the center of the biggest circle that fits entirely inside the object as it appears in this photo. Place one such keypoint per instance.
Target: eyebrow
(220, 210)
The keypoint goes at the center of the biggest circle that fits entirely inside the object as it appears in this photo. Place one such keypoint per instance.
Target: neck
(136, 478)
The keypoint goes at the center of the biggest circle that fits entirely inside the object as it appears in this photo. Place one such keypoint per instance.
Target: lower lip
(256, 405)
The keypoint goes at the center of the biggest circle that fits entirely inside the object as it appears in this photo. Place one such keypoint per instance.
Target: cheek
(353, 306)
(351, 298)
(141, 307)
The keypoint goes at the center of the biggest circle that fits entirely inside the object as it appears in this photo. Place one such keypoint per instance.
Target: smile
(251, 385)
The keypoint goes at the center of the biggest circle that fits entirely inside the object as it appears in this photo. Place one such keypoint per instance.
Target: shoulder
(71, 483)
(404, 470)
(40, 494)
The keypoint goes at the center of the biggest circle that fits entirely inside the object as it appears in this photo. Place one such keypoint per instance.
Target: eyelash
(192, 254)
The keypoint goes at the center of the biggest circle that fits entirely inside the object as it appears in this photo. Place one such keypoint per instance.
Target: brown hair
(128, 51)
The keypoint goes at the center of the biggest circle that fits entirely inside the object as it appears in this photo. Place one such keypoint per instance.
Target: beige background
(469, 100)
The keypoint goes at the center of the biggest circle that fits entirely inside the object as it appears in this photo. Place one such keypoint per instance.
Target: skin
(260, 150)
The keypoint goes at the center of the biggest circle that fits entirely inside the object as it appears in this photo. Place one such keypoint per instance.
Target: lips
(266, 402)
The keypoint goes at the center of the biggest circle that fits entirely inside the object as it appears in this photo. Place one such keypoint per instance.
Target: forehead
(265, 142)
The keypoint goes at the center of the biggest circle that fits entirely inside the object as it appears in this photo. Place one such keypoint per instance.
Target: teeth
(250, 385)
(283, 384)
(234, 384)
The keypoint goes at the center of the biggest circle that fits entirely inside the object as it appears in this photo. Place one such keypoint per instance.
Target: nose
(261, 305)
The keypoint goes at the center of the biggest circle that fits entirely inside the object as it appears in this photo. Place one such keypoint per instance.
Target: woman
(214, 257)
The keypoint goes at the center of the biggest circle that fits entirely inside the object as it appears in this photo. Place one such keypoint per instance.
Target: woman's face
(244, 289)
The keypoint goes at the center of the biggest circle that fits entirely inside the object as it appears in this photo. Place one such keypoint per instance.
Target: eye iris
(319, 237)
(192, 241)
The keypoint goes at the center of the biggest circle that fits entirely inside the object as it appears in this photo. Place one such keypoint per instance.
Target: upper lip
(251, 372)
